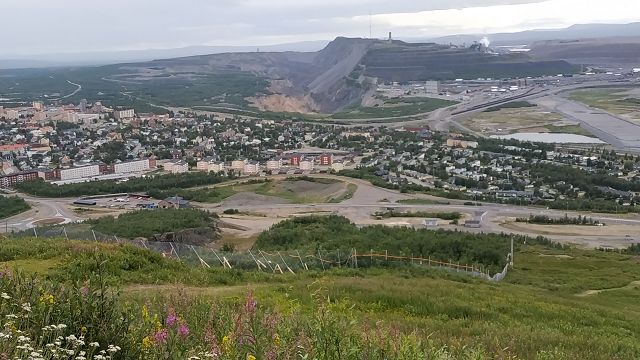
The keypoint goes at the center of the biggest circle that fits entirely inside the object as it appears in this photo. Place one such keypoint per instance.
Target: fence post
(65, 233)
(339, 263)
(175, 251)
(216, 254)
(266, 261)
(285, 263)
(355, 257)
(94, 235)
(256, 260)
(321, 262)
(301, 262)
(35, 232)
(511, 252)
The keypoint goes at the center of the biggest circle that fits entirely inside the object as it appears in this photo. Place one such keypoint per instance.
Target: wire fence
(274, 261)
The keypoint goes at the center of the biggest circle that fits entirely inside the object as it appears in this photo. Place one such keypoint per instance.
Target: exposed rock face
(342, 73)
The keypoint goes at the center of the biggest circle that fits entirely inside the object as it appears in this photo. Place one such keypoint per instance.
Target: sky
(68, 26)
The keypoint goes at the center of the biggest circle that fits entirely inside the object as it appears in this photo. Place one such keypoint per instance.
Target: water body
(551, 138)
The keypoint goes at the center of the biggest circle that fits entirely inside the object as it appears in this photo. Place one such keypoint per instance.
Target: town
(90, 142)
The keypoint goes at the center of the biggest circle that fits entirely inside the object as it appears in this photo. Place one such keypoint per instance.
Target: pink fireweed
(250, 304)
(183, 330)
(161, 336)
(171, 318)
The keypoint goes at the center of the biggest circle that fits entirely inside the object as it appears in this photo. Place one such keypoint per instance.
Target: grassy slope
(535, 310)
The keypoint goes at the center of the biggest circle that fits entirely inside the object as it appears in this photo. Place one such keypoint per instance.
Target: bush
(10, 206)
(156, 223)
(329, 233)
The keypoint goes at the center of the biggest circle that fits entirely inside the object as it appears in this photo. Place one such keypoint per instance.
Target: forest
(13, 205)
(146, 184)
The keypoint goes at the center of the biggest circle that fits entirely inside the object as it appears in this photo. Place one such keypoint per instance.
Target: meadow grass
(538, 312)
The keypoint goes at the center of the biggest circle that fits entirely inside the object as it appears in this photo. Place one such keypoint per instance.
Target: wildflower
(113, 349)
(83, 330)
(226, 344)
(251, 357)
(84, 290)
(94, 344)
(146, 342)
(161, 336)
(276, 340)
(47, 298)
(145, 312)
(171, 318)
(250, 304)
(183, 330)
(26, 307)
(5, 296)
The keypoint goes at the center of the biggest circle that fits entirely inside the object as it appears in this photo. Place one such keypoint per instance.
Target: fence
(277, 262)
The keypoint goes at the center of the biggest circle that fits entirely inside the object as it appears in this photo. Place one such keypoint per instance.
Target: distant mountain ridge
(579, 31)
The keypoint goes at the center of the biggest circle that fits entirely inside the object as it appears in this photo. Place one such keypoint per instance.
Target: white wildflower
(5, 296)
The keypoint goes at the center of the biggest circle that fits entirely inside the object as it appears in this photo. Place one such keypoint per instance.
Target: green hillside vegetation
(12, 205)
(419, 214)
(395, 107)
(114, 86)
(510, 105)
(543, 310)
(152, 184)
(314, 233)
(147, 223)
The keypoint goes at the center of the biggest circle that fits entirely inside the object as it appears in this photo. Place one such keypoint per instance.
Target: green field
(395, 107)
(10, 206)
(547, 308)
(612, 100)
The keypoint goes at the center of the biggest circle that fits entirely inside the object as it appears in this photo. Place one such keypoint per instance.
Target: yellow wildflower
(156, 322)
(83, 330)
(47, 298)
(226, 344)
(276, 340)
(145, 312)
(146, 342)
(251, 357)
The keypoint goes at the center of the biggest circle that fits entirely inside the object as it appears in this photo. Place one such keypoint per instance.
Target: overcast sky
(56, 26)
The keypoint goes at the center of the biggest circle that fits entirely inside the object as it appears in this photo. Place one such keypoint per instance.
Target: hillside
(607, 52)
(403, 62)
(326, 81)
(556, 303)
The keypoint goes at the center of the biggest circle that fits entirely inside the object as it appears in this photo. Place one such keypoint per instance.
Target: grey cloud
(42, 26)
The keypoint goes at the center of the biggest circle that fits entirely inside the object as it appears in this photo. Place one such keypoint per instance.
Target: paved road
(610, 128)
(53, 210)
(367, 200)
